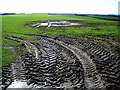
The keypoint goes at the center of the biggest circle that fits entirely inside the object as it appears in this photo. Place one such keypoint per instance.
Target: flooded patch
(18, 84)
(57, 23)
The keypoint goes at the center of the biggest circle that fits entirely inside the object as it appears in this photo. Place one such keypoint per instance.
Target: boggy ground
(59, 23)
(65, 62)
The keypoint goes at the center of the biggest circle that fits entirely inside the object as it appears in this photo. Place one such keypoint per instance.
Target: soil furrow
(66, 63)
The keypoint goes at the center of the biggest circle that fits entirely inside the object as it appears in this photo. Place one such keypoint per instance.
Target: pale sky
(60, 6)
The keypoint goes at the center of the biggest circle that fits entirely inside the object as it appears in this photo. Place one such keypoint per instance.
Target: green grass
(106, 17)
(14, 25)
(7, 57)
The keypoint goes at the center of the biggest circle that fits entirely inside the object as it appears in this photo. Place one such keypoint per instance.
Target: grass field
(107, 18)
(14, 25)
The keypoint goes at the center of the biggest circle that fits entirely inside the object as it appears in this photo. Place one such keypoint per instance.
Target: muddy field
(64, 62)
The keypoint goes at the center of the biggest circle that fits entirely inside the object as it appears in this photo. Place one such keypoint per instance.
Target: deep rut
(57, 63)
(92, 77)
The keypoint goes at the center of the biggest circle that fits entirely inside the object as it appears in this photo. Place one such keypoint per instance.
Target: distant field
(107, 18)
(14, 25)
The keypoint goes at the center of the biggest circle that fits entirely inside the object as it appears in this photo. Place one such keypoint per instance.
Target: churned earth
(64, 62)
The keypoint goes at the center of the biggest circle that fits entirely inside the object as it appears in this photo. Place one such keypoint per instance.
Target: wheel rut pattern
(68, 63)
(107, 62)
(55, 67)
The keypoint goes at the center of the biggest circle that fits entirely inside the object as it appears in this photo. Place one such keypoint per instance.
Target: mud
(64, 62)
(56, 23)
(6, 77)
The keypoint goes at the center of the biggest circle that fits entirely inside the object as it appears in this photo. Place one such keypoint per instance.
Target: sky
(60, 6)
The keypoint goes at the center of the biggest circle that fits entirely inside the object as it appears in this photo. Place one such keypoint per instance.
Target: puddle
(18, 84)
(57, 23)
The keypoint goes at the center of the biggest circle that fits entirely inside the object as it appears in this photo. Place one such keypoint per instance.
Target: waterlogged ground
(65, 62)
(90, 62)
(57, 23)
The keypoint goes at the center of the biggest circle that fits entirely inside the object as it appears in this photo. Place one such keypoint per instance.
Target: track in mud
(66, 63)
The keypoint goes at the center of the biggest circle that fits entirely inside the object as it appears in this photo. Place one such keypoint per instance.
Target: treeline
(110, 15)
(8, 14)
